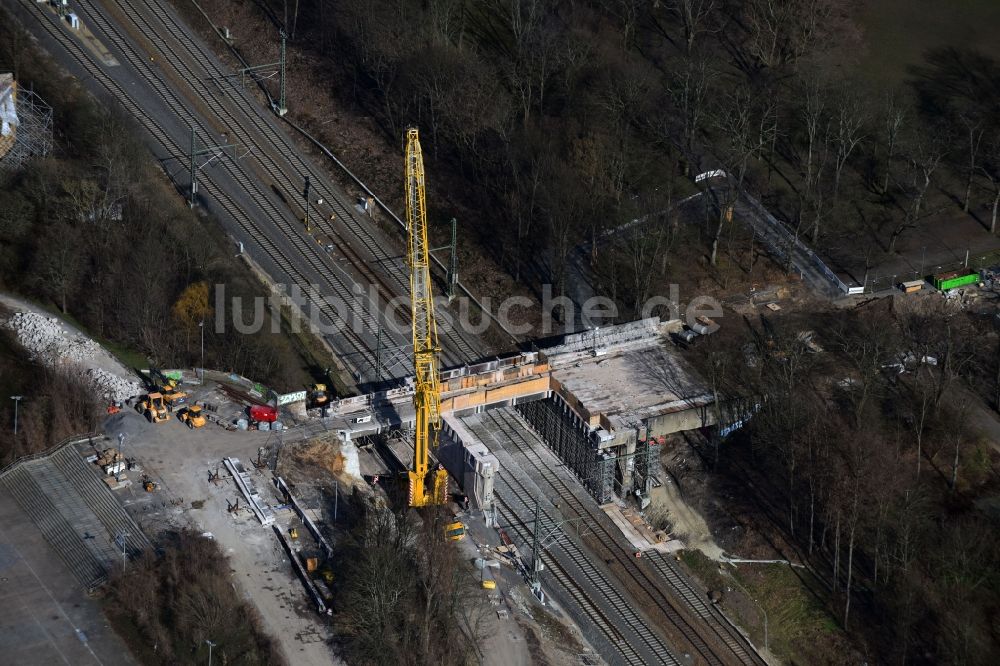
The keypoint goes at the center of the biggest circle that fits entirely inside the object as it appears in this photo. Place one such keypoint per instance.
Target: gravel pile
(48, 342)
(113, 387)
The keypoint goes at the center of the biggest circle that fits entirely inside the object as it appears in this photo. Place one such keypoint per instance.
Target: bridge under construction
(602, 401)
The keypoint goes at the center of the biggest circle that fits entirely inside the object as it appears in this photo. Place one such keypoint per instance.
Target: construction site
(544, 460)
(411, 332)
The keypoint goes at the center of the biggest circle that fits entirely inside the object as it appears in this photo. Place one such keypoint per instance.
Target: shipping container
(944, 283)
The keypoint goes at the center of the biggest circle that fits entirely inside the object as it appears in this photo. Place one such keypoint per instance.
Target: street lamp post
(122, 535)
(210, 646)
(201, 325)
(17, 401)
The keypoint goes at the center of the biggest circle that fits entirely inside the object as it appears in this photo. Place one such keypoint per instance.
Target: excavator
(153, 408)
(167, 387)
(427, 487)
(318, 396)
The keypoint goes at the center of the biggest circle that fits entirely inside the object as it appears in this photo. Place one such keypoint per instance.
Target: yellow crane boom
(426, 487)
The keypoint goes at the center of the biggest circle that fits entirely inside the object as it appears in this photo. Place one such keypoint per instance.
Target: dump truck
(172, 395)
(153, 408)
(192, 416)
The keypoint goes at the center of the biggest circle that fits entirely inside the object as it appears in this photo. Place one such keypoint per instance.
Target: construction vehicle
(172, 395)
(426, 487)
(153, 408)
(192, 416)
(454, 531)
(318, 396)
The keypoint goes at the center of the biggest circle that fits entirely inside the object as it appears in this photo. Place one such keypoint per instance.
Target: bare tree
(695, 16)
(893, 117)
(849, 116)
(739, 121)
(990, 167)
(781, 32)
(974, 130)
(923, 156)
(689, 91)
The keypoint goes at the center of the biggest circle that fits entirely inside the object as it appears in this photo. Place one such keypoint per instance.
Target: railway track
(572, 569)
(247, 223)
(288, 172)
(356, 330)
(626, 634)
(729, 645)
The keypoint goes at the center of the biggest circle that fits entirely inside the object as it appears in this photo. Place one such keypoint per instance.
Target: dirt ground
(939, 243)
(180, 460)
(669, 506)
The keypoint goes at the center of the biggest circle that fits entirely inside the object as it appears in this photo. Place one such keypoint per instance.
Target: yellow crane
(426, 487)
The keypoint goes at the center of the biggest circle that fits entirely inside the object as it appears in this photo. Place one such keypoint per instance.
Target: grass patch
(799, 628)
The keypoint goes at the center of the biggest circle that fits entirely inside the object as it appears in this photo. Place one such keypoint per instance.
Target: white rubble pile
(113, 387)
(48, 342)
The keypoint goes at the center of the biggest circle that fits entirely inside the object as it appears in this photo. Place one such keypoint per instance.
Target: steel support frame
(571, 444)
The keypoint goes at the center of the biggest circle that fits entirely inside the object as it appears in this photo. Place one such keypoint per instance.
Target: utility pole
(194, 153)
(121, 535)
(121, 452)
(282, 108)
(201, 325)
(536, 550)
(453, 263)
(305, 193)
(451, 278)
(378, 355)
(17, 401)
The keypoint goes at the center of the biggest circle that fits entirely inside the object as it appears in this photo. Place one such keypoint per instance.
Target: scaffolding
(28, 132)
(647, 454)
(562, 432)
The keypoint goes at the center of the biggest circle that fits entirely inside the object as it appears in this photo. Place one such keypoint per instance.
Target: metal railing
(72, 439)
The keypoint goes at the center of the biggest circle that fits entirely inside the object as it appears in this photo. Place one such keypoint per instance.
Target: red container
(264, 413)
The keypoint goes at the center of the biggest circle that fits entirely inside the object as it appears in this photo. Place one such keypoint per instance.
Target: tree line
(867, 458)
(95, 230)
(554, 122)
(167, 604)
(403, 594)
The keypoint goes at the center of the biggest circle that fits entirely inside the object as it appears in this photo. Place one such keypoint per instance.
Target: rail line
(247, 223)
(513, 428)
(578, 567)
(309, 256)
(634, 641)
(457, 348)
